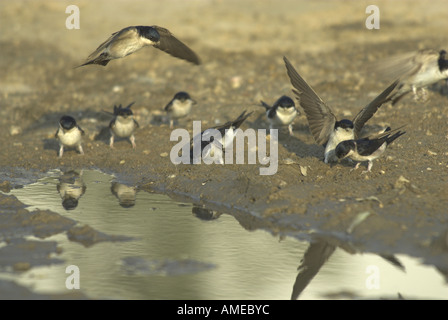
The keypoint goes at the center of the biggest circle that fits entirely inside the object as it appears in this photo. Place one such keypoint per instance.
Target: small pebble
(15, 130)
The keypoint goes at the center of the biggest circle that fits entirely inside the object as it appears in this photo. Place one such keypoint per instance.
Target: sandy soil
(241, 44)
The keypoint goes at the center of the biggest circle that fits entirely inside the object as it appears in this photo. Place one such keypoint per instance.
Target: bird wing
(402, 65)
(368, 145)
(102, 46)
(171, 45)
(369, 110)
(112, 123)
(82, 131)
(169, 105)
(271, 113)
(238, 121)
(321, 119)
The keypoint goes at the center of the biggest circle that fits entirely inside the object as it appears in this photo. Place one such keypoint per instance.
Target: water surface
(184, 251)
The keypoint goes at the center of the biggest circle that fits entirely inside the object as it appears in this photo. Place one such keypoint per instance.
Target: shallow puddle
(174, 250)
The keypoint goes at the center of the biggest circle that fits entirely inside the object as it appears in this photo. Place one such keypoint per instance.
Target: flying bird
(325, 127)
(415, 70)
(131, 39)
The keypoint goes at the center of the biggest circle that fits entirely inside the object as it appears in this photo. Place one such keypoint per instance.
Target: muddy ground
(241, 45)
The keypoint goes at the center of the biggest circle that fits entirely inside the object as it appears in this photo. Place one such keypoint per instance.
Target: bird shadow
(50, 144)
(160, 119)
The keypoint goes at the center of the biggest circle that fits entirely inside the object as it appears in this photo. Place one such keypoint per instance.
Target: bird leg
(369, 168)
(356, 167)
(423, 96)
(132, 138)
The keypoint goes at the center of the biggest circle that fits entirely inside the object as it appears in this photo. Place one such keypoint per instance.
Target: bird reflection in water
(202, 213)
(126, 195)
(71, 187)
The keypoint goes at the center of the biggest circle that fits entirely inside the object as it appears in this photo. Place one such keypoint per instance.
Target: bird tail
(242, 117)
(101, 60)
(391, 138)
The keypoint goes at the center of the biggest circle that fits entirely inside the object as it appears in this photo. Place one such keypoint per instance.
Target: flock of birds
(413, 72)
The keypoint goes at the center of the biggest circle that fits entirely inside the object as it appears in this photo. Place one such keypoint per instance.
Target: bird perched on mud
(282, 113)
(415, 70)
(324, 126)
(123, 125)
(69, 134)
(128, 40)
(215, 140)
(367, 149)
(179, 106)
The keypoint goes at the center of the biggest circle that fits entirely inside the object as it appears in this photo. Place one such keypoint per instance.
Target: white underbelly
(70, 138)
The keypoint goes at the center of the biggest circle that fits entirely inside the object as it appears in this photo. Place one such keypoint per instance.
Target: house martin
(179, 106)
(324, 126)
(367, 149)
(123, 125)
(282, 113)
(211, 147)
(128, 40)
(69, 134)
(415, 70)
